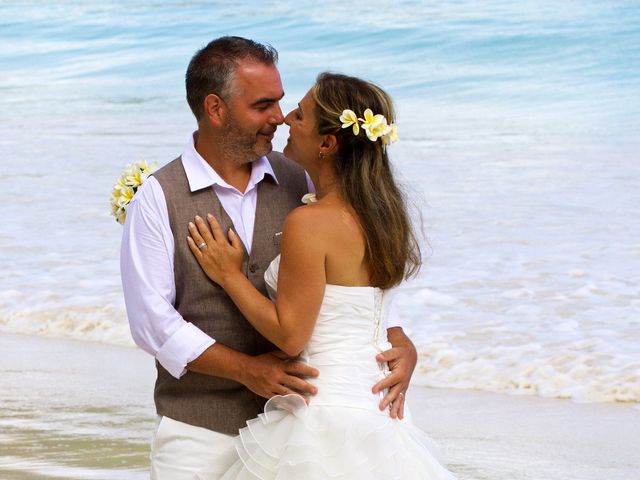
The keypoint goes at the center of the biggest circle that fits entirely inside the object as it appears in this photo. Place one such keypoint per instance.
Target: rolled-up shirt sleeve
(146, 266)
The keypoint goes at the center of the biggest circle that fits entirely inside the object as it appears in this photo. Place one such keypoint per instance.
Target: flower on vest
(126, 187)
(308, 198)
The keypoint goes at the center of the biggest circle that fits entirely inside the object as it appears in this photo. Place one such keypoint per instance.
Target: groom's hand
(268, 375)
(402, 359)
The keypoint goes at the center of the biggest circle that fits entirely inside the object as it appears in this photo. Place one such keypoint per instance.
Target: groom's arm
(265, 375)
(146, 264)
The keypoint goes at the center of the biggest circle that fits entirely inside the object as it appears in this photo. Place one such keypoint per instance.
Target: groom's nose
(277, 118)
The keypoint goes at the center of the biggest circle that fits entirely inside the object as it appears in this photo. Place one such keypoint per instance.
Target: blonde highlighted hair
(365, 177)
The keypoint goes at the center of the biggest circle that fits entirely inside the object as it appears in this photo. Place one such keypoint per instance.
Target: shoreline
(73, 409)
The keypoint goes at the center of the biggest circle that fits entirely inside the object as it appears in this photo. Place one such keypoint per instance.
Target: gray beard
(238, 148)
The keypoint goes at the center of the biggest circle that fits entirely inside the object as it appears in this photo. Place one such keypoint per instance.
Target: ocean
(519, 127)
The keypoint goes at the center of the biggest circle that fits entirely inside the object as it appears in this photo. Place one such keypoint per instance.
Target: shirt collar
(200, 174)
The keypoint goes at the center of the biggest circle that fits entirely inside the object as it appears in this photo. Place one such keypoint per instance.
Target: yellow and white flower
(126, 195)
(308, 198)
(126, 187)
(350, 119)
(137, 174)
(375, 125)
(392, 136)
(120, 214)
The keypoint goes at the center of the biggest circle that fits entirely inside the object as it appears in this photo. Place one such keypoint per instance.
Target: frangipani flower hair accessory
(349, 118)
(375, 126)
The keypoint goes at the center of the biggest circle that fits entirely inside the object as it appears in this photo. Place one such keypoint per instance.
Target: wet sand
(80, 410)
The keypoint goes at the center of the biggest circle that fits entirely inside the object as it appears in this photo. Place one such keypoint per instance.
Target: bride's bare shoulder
(325, 221)
(316, 214)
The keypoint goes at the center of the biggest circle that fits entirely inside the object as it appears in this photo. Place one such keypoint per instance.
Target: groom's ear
(213, 109)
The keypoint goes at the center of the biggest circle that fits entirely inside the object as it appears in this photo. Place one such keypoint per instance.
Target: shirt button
(253, 268)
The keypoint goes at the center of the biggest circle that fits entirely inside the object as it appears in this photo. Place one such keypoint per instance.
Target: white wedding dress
(341, 434)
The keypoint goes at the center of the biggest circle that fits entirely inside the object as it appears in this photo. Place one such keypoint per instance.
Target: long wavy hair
(365, 177)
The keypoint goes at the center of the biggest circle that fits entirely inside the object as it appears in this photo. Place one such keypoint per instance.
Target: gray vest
(202, 400)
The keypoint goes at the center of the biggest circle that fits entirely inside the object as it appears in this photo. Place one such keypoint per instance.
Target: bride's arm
(289, 322)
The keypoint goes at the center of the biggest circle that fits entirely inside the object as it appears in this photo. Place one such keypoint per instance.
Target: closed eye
(265, 103)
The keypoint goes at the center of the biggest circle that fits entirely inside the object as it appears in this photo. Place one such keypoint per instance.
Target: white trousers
(183, 452)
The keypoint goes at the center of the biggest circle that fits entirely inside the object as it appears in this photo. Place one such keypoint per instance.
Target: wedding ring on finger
(202, 245)
(401, 394)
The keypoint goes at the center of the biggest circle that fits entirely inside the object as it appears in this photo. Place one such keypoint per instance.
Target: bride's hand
(220, 257)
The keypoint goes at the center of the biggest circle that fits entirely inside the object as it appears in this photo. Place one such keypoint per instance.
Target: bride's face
(304, 142)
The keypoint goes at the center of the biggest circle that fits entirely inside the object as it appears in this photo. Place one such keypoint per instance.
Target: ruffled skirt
(294, 441)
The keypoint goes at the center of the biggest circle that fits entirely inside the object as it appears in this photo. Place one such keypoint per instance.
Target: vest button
(253, 268)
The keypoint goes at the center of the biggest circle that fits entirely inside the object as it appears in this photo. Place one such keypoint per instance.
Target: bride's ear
(329, 145)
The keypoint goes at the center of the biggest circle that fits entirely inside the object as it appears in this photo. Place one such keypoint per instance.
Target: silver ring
(202, 245)
(401, 393)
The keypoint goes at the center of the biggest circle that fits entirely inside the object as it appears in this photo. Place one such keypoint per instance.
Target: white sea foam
(82, 319)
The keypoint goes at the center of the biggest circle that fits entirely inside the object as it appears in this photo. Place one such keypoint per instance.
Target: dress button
(253, 268)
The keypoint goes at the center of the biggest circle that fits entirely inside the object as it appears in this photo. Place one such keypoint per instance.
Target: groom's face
(253, 111)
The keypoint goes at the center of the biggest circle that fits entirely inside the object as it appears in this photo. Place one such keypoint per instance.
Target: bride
(339, 255)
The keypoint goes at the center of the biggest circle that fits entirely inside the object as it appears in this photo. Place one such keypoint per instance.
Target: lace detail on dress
(377, 315)
(378, 303)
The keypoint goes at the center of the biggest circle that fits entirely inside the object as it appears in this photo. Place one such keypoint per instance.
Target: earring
(321, 155)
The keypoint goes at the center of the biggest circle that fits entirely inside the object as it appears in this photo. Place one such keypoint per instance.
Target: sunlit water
(519, 126)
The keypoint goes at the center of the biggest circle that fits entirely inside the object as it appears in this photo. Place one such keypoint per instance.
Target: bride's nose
(287, 119)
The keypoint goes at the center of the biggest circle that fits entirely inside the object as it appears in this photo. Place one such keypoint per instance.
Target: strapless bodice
(349, 332)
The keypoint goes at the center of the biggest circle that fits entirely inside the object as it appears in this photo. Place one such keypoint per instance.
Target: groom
(214, 369)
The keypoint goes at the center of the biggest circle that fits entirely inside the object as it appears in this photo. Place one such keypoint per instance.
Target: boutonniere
(309, 198)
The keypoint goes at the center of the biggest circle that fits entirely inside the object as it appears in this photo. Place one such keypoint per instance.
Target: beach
(82, 410)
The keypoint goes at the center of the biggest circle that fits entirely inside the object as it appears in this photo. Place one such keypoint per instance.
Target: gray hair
(212, 68)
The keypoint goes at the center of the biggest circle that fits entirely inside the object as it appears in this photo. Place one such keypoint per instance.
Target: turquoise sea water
(519, 126)
(563, 69)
